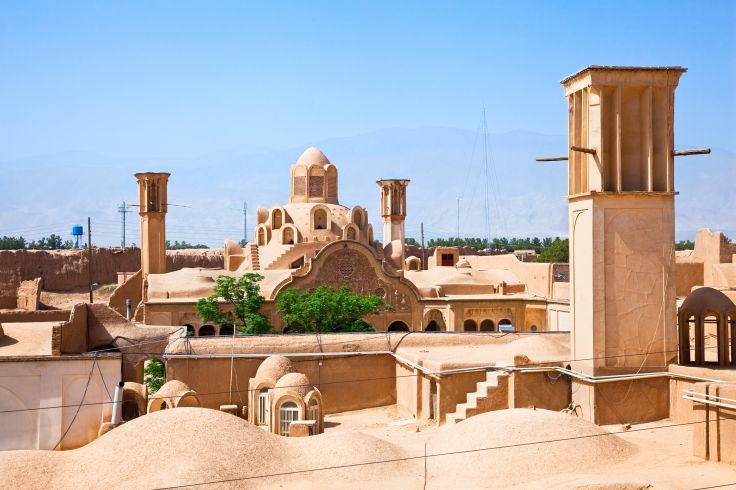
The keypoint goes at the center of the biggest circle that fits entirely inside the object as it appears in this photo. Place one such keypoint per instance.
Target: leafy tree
(412, 242)
(154, 375)
(325, 309)
(559, 251)
(243, 242)
(12, 243)
(183, 245)
(685, 245)
(243, 294)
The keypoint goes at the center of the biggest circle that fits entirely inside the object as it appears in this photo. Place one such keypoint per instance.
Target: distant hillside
(48, 194)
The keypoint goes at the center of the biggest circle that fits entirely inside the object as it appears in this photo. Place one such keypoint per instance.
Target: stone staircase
(491, 394)
(276, 263)
(255, 261)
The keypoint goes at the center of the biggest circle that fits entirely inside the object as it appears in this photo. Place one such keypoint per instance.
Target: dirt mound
(518, 457)
(196, 445)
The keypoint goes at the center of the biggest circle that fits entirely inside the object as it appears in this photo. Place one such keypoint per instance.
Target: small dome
(707, 300)
(172, 389)
(313, 156)
(293, 383)
(274, 368)
(463, 263)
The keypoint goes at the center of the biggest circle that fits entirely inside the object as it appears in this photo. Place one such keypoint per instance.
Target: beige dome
(274, 368)
(172, 389)
(707, 299)
(295, 383)
(313, 156)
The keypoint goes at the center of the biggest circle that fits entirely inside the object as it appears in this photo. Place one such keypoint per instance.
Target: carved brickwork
(353, 267)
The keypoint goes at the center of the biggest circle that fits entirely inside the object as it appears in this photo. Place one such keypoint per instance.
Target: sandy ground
(375, 448)
(64, 300)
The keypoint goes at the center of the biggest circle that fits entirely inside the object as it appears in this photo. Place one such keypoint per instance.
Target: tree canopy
(243, 295)
(559, 251)
(51, 242)
(325, 309)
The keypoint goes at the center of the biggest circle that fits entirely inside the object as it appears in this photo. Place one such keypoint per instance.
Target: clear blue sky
(184, 78)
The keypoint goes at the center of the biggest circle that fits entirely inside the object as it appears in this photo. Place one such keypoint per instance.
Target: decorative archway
(398, 326)
(487, 326)
(277, 219)
(432, 326)
(206, 331)
(434, 321)
(288, 237)
(470, 326)
(227, 329)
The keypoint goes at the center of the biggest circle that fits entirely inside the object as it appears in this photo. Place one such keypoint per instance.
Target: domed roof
(707, 300)
(313, 156)
(172, 389)
(293, 383)
(274, 368)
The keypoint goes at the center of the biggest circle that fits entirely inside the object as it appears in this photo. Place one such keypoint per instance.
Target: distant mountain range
(49, 193)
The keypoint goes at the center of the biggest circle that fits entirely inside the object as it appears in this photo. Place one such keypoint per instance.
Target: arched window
(300, 181)
(487, 326)
(320, 219)
(288, 237)
(313, 414)
(351, 233)
(505, 325)
(261, 236)
(316, 181)
(264, 410)
(288, 413)
(190, 330)
(227, 329)
(534, 328)
(332, 182)
(206, 330)
(277, 219)
(358, 219)
(432, 326)
(398, 326)
(163, 406)
(470, 326)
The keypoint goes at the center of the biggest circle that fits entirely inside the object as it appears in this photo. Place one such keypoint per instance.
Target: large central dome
(313, 178)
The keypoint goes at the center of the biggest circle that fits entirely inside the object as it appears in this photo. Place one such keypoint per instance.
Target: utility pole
(123, 210)
(424, 255)
(89, 249)
(458, 220)
(245, 223)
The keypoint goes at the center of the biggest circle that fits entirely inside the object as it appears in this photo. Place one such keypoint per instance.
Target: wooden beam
(591, 151)
(551, 159)
(685, 153)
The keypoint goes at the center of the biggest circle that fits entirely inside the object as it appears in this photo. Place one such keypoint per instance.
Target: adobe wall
(687, 276)
(63, 270)
(715, 432)
(681, 410)
(346, 383)
(24, 316)
(635, 401)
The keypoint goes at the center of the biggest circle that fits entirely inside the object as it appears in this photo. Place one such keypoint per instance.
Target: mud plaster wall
(346, 383)
(63, 270)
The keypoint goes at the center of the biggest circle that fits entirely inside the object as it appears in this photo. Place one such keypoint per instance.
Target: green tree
(325, 309)
(12, 243)
(154, 375)
(412, 242)
(685, 245)
(183, 245)
(243, 294)
(559, 251)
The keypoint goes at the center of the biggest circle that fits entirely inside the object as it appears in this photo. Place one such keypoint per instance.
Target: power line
(439, 455)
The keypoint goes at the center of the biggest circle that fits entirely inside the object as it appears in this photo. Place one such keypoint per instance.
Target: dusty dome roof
(294, 383)
(274, 368)
(313, 156)
(707, 299)
(171, 389)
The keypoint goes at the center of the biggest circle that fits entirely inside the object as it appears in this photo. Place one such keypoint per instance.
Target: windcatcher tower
(393, 215)
(621, 215)
(152, 199)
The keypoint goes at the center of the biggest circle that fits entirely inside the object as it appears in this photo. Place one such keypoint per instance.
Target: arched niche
(398, 326)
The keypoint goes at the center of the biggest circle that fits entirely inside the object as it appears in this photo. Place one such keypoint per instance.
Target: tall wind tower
(622, 235)
(152, 199)
(393, 214)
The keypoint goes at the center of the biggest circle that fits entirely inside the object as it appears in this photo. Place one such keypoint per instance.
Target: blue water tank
(77, 230)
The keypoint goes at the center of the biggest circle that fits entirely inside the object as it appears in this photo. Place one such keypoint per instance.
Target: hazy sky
(183, 78)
